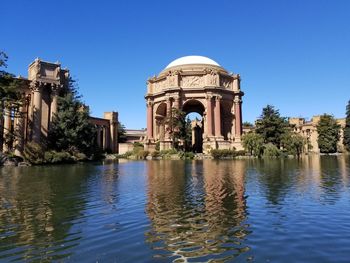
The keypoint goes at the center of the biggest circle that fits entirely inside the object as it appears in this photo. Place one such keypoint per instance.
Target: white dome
(188, 60)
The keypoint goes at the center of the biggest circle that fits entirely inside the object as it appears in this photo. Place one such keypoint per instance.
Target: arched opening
(159, 118)
(194, 117)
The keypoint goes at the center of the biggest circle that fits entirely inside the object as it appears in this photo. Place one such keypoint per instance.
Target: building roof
(190, 60)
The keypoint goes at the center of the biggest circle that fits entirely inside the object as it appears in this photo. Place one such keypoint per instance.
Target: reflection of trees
(276, 176)
(37, 207)
(330, 179)
(196, 209)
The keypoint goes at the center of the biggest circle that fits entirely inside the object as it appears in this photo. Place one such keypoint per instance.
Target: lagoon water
(178, 211)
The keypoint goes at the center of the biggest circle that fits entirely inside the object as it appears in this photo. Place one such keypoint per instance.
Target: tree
(253, 143)
(8, 83)
(328, 134)
(179, 128)
(347, 128)
(70, 129)
(293, 143)
(121, 133)
(247, 124)
(271, 125)
(9, 96)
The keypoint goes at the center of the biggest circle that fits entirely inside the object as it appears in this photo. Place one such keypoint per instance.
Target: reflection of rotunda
(196, 84)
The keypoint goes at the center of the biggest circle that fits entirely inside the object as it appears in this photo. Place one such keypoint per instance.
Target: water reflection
(37, 212)
(197, 210)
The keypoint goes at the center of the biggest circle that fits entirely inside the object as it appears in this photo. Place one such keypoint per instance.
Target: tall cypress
(347, 128)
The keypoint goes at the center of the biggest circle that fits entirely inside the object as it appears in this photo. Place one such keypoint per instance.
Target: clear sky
(292, 54)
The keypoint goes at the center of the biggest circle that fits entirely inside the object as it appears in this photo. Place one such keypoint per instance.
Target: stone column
(176, 102)
(217, 117)
(209, 116)
(168, 116)
(238, 114)
(99, 136)
(104, 139)
(54, 94)
(37, 102)
(150, 120)
(19, 130)
(7, 127)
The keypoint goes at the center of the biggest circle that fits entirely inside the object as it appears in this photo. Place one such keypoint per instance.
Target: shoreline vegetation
(36, 156)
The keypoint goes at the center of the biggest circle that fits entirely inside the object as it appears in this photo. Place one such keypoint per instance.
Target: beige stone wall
(308, 129)
(125, 147)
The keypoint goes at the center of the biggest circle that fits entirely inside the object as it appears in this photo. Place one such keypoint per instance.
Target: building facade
(195, 84)
(308, 129)
(30, 119)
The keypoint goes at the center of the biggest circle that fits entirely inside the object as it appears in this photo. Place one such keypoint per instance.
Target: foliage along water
(178, 211)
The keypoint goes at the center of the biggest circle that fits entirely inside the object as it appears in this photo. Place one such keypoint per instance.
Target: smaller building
(308, 129)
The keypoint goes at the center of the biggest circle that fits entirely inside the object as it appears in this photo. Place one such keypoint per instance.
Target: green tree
(179, 128)
(293, 143)
(9, 96)
(247, 124)
(271, 125)
(121, 133)
(71, 129)
(253, 143)
(347, 128)
(328, 134)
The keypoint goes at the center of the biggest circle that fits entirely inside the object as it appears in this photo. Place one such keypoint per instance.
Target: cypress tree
(328, 134)
(347, 128)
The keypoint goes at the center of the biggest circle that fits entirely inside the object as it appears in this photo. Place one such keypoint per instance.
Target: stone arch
(160, 115)
(193, 105)
(197, 126)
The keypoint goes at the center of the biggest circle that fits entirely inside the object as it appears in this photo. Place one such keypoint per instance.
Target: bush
(223, 154)
(58, 157)
(165, 154)
(80, 156)
(186, 155)
(241, 153)
(271, 150)
(155, 154)
(34, 153)
(142, 154)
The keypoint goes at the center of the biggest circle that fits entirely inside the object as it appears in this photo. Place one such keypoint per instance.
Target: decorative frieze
(191, 81)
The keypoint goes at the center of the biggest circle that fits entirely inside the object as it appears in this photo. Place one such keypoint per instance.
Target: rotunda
(195, 84)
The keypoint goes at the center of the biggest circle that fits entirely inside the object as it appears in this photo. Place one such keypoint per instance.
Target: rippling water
(178, 211)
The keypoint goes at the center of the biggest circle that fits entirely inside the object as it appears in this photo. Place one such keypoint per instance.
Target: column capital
(218, 97)
(55, 89)
(237, 99)
(149, 102)
(208, 96)
(36, 86)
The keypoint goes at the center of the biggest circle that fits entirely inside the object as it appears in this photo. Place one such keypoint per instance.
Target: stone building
(308, 129)
(30, 120)
(195, 84)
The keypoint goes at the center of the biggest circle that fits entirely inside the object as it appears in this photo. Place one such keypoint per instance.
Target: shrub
(155, 154)
(186, 155)
(80, 156)
(223, 154)
(271, 150)
(34, 153)
(58, 157)
(241, 153)
(142, 154)
(167, 153)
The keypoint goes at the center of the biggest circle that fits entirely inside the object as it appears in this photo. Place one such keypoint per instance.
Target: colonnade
(24, 120)
(213, 116)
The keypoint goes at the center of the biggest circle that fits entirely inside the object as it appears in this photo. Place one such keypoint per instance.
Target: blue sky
(292, 54)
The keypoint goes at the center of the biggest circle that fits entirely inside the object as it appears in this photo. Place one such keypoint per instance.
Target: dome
(189, 60)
